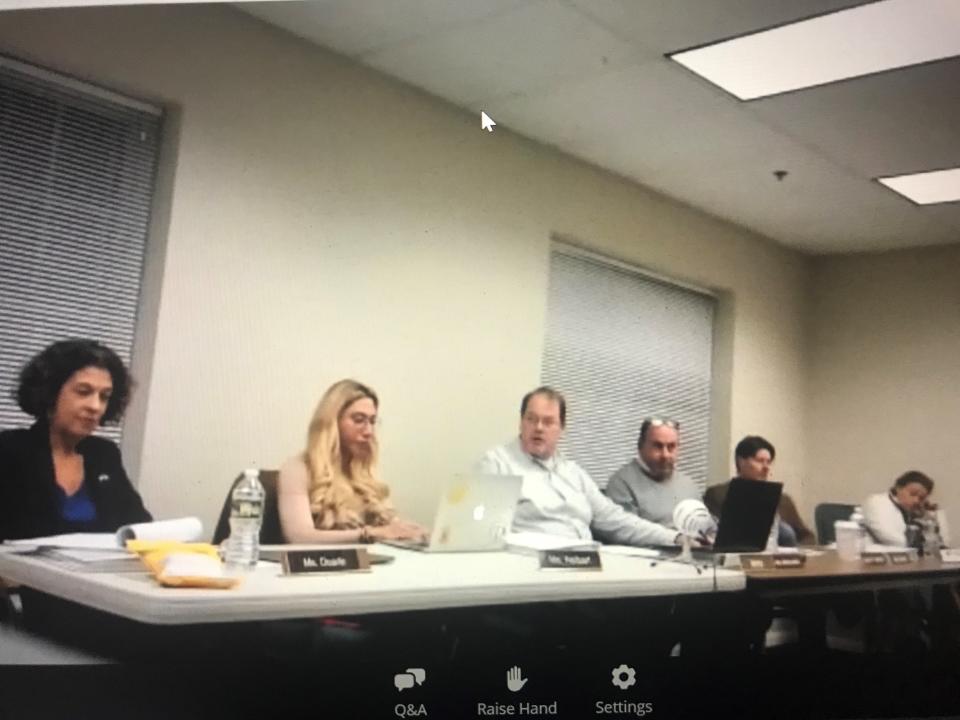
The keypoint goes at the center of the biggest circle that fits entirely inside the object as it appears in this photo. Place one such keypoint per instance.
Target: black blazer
(29, 498)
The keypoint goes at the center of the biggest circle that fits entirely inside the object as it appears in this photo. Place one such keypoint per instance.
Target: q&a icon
(408, 678)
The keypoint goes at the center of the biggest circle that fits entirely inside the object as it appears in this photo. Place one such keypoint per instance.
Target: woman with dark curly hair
(56, 477)
(897, 517)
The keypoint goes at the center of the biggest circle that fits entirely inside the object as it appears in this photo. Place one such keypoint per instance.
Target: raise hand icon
(515, 681)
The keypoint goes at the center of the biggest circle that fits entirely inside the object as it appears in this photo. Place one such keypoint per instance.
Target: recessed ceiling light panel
(927, 188)
(849, 43)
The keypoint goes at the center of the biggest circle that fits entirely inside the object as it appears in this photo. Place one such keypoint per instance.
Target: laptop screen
(747, 515)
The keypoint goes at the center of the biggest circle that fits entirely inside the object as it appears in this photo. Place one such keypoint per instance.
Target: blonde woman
(331, 492)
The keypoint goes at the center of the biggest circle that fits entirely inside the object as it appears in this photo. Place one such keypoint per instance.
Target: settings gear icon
(624, 676)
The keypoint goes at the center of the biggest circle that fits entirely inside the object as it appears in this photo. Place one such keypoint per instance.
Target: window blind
(77, 167)
(622, 346)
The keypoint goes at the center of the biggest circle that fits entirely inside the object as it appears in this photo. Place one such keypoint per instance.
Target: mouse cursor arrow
(486, 122)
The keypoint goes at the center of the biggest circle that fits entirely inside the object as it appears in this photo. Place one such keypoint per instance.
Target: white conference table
(414, 581)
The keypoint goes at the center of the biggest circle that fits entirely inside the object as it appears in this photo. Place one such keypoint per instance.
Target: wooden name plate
(303, 562)
(892, 558)
(570, 560)
(779, 561)
(950, 555)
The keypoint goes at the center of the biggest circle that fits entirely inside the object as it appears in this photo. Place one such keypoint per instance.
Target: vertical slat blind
(76, 184)
(622, 346)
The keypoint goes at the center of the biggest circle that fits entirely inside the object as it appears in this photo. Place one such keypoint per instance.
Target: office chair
(270, 531)
(825, 515)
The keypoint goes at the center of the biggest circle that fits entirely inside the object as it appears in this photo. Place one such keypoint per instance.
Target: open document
(84, 547)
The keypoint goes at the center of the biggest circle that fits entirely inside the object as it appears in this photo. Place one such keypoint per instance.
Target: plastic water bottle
(931, 533)
(857, 517)
(246, 514)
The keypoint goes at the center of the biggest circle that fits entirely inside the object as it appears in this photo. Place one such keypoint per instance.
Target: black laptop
(747, 516)
(745, 520)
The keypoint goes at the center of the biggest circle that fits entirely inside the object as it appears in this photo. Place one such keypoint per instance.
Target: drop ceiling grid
(537, 68)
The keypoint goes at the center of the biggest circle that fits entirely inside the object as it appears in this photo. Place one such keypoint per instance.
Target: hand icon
(514, 680)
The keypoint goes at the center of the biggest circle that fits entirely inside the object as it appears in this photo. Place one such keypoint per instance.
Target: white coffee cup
(848, 539)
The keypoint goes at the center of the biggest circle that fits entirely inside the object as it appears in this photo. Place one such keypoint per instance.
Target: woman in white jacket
(889, 515)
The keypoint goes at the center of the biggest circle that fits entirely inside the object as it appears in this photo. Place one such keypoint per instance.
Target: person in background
(649, 485)
(56, 476)
(753, 458)
(559, 497)
(913, 621)
(332, 492)
(898, 516)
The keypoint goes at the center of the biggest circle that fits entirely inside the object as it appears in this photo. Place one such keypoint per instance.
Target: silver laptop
(475, 514)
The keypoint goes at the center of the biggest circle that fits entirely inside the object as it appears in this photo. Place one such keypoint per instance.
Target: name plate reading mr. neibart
(302, 562)
(570, 560)
(784, 561)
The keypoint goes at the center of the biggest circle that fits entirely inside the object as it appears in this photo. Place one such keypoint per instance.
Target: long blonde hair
(341, 499)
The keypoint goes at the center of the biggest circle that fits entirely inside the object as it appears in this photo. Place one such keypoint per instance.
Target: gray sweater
(636, 492)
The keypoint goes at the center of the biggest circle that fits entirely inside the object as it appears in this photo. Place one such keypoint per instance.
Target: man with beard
(650, 486)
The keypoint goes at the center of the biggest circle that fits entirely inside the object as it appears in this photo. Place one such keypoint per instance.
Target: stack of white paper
(186, 529)
(630, 551)
(533, 542)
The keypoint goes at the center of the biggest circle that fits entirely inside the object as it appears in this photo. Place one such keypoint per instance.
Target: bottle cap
(251, 472)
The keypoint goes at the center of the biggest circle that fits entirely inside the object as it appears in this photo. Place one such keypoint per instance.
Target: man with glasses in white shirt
(559, 497)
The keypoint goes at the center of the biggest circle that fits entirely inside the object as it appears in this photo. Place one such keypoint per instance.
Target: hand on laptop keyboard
(398, 529)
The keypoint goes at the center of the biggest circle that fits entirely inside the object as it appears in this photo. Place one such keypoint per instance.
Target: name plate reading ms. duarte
(303, 562)
(570, 560)
(779, 561)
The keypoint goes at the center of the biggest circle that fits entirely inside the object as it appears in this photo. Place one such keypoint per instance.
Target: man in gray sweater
(649, 485)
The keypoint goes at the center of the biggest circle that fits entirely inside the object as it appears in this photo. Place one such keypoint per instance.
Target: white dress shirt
(884, 519)
(560, 498)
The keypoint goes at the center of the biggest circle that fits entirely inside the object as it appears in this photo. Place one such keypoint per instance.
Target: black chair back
(270, 531)
(825, 515)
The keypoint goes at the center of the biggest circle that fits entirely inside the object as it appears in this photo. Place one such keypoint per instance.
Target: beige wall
(886, 374)
(323, 221)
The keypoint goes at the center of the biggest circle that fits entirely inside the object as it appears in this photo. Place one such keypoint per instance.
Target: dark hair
(914, 476)
(550, 393)
(45, 375)
(751, 445)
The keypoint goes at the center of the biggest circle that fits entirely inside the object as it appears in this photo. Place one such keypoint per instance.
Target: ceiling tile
(723, 162)
(891, 123)
(640, 102)
(590, 78)
(681, 24)
(353, 27)
(538, 44)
